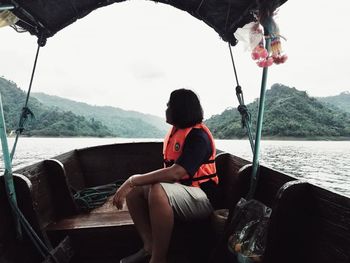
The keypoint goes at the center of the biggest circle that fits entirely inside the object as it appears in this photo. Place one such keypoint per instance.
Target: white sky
(133, 54)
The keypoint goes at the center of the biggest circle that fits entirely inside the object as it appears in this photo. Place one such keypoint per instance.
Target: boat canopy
(46, 18)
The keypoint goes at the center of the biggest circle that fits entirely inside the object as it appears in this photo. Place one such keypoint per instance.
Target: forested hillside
(47, 122)
(341, 101)
(288, 113)
(121, 122)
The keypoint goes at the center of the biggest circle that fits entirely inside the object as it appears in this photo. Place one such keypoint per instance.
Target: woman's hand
(122, 192)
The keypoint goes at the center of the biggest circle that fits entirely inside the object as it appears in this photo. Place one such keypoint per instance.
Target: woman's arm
(170, 174)
(167, 175)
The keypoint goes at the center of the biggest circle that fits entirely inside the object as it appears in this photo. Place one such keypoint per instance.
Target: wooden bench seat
(105, 232)
(104, 216)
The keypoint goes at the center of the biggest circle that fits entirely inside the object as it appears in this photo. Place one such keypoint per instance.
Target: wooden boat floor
(105, 216)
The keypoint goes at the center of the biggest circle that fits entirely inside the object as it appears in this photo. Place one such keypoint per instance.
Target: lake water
(324, 163)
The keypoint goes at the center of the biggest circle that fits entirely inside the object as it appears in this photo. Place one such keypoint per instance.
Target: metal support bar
(9, 185)
(254, 177)
(6, 7)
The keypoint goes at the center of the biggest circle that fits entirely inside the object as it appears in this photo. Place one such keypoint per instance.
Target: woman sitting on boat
(182, 189)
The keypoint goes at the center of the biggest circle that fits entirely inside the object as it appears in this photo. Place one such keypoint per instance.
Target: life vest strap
(171, 162)
(190, 180)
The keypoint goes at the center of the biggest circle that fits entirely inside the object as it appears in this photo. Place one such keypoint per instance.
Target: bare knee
(139, 192)
(157, 194)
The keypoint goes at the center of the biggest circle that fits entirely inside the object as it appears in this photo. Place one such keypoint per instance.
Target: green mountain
(123, 123)
(288, 113)
(341, 101)
(47, 122)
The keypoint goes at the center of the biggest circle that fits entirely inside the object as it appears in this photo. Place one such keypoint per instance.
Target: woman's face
(168, 114)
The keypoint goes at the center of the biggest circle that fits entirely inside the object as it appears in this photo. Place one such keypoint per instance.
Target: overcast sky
(133, 54)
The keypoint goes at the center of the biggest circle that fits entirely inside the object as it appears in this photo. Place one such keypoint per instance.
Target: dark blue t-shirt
(197, 150)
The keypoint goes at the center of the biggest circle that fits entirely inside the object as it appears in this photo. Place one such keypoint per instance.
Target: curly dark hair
(184, 109)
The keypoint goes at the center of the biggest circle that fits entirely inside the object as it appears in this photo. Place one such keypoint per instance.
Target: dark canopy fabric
(47, 17)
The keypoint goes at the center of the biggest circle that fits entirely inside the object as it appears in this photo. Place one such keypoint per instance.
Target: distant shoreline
(284, 138)
(263, 138)
(314, 138)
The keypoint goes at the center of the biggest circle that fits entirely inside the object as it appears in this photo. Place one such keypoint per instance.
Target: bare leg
(138, 208)
(162, 222)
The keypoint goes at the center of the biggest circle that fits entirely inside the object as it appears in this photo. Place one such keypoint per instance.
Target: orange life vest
(172, 149)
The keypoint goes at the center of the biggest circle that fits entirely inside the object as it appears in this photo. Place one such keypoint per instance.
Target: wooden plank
(73, 169)
(331, 226)
(289, 232)
(93, 220)
(62, 197)
(231, 186)
(104, 234)
(105, 216)
(41, 195)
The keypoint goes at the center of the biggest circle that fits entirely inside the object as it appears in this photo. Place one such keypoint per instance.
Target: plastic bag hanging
(252, 35)
(247, 240)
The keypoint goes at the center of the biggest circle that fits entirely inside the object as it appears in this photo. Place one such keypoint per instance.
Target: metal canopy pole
(9, 185)
(254, 175)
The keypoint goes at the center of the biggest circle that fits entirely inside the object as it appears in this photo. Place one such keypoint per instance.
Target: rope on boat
(25, 110)
(246, 118)
(242, 108)
(42, 248)
(93, 197)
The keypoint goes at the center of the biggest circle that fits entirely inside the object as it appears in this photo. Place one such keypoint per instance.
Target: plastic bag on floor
(248, 228)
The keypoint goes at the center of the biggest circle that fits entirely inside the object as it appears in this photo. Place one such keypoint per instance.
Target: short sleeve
(197, 150)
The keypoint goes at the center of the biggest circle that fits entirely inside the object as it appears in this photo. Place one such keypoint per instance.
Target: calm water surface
(324, 163)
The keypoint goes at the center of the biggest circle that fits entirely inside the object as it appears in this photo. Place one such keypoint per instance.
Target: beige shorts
(187, 202)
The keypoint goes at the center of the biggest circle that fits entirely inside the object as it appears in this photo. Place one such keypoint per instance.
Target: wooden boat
(307, 224)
